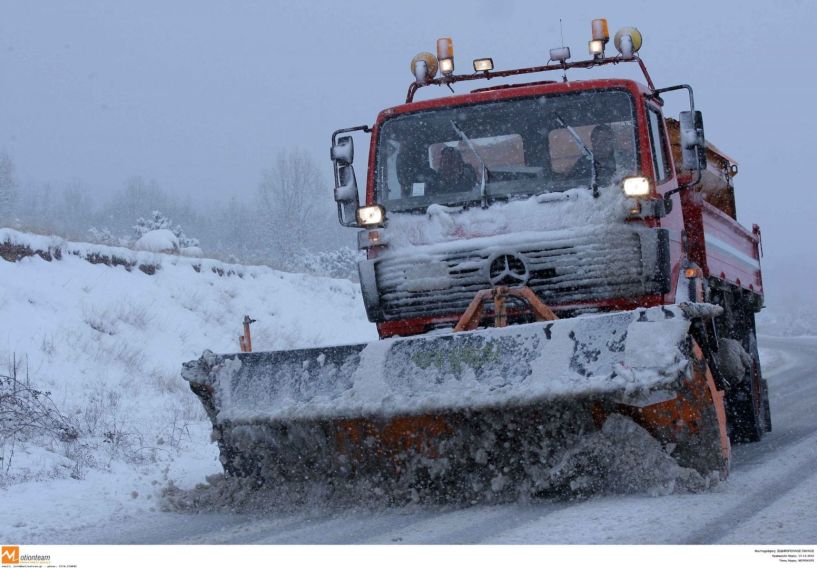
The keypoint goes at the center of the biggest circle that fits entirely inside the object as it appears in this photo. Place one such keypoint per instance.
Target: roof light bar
(627, 40)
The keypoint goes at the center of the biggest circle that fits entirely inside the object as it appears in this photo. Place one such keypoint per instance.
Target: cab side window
(658, 144)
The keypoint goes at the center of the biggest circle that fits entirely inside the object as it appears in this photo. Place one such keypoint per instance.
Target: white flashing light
(560, 54)
(636, 186)
(370, 215)
(596, 48)
(446, 66)
(486, 64)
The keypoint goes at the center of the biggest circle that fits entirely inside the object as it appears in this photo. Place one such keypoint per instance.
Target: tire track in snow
(333, 526)
(507, 518)
(768, 494)
(466, 525)
(348, 529)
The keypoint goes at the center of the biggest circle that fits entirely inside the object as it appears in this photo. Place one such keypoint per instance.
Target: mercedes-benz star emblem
(508, 270)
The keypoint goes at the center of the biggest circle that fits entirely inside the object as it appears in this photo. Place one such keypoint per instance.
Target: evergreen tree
(158, 221)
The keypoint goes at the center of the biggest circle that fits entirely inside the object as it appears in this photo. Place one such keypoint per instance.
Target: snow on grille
(565, 266)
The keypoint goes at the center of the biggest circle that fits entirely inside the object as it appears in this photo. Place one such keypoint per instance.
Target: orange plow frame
(690, 413)
(697, 412)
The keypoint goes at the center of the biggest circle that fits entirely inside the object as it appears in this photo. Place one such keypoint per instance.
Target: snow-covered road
(769, 498)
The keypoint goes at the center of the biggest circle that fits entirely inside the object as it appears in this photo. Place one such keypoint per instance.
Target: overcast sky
(200, 95)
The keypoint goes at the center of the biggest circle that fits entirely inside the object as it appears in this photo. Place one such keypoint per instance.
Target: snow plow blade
(441, 409)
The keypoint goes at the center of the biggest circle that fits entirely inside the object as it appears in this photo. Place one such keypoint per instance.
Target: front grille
(562, 267)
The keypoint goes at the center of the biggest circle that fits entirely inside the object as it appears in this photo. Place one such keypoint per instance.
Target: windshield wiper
(588, 153)
(483, 194)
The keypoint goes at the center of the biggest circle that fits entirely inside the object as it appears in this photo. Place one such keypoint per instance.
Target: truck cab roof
(512, 91)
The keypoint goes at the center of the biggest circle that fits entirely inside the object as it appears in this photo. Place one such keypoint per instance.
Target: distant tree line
(8, 187)
(288, 221)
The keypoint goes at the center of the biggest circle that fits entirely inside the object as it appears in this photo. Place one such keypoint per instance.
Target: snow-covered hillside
(92, 339)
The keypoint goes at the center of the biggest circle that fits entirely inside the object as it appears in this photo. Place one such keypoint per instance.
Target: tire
(767, 412)
(748, 403)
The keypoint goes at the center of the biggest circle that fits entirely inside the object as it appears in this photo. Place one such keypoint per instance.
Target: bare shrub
(191, 301)
(101, 321)
(341, 263)
(92, 414)
(130, 355)
(48, 345)
(81, 456)
(167, 383)
(192, 410)
(178, 430)
(26, 413)
(134, 315)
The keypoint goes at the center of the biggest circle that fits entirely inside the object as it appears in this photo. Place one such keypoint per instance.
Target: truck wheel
(749, 402)
(767, 413)
(764, 385)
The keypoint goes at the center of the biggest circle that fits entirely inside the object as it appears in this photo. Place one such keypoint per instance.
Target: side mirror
(347, 188)
(343, 152)
(346, 195)
(693, 143)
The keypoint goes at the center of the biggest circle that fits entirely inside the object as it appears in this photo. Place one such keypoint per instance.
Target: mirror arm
(657, 93)
(362, 127)
(668, 195)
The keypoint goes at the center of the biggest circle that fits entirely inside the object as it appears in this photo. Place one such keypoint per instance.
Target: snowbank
(15, 245)
(159, 240)
(107, 342)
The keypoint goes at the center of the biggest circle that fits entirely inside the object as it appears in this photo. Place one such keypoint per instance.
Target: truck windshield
(521, 147)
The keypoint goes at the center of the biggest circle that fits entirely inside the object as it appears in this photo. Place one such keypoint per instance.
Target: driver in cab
(602, 144)
(454, 174)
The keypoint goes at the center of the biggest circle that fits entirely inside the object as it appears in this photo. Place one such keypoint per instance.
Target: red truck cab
(698, 226)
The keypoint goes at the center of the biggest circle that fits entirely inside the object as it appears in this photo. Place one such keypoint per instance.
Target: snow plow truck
(540, 256)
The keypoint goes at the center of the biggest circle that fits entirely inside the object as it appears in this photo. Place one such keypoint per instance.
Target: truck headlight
(370, 215)
(636, 186)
